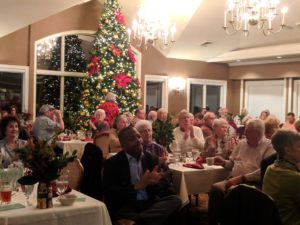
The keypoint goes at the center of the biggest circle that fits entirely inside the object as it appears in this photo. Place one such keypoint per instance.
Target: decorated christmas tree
(112, 66)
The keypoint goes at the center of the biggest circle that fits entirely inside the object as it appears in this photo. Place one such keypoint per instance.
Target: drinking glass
(62, 184)
(5, 191)
(89, 134)
(189, 156)
(27, 189)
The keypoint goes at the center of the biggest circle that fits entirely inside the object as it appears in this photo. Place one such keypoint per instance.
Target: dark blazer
(117, 188)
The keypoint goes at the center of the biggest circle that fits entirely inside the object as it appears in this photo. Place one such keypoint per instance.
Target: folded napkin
(193, 165)
(11, 206)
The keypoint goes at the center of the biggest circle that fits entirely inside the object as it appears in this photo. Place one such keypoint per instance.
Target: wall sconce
(177, 83)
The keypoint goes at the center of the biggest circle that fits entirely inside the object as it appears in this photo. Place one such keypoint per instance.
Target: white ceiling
(199, 23)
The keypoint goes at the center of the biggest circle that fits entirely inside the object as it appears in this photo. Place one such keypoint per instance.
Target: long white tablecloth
(70, 146)
(194, 181)
(88, 212)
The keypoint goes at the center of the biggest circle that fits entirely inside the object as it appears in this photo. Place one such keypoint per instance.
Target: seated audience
(290, 120)
(244, 163)
(219, 143)
(264, 114)
(97, 123)
(187, 136)
(152, 116)
(158, 152)
(207, 127)
(134, 190)
(110, 107)
(138, 115)
(44, 126)
(10, 128)
(271, 125)
(198, 121)
(282, 179)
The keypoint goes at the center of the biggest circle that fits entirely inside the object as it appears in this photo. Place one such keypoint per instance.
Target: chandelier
(152, 25)
(241, 15)
(44, 48)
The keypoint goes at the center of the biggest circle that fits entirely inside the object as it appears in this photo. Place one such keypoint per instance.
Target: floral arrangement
(42, 163)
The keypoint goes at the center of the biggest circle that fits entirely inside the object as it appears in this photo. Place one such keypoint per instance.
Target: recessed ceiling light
(278, 57)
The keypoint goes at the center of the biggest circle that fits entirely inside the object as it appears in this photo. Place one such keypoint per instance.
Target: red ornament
(122, 80)
(131, 55)
(93, 67)
(120, 17)
(115, 50)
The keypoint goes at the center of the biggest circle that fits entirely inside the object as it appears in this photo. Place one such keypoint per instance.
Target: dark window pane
(49, 54)
(213, 95)
(11, 90)
(196, 98)
(76, 49)
(154, 94)
(47, 91)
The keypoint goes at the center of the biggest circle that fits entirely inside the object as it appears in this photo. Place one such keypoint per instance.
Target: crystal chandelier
(152, 25)
(242, 14)
(44, 48)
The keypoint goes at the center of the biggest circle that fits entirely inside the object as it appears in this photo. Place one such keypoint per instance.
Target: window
(206, 93)
(14, 87)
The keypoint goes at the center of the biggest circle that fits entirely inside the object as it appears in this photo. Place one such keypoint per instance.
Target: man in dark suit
(134, 190)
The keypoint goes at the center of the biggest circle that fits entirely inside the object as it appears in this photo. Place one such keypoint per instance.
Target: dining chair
(102, 141)
(75, 173)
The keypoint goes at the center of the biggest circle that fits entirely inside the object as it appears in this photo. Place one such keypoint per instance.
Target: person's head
(120, 122)
(152, 115)
(140, 114)
(4, 113)
(290, 117)
(110, 97)
(184, 119)
(131, 141)
(192, 118)
(13, 110)
(209, 118)
(220, 127)
(162, 114)
(129, 117)
(271, 125)
(223, 112)
(264, 114)
(254, 132)
(287, 145)
(10, 126)
(297, 125)
(100, 114)
(47, 110)
(144, 127)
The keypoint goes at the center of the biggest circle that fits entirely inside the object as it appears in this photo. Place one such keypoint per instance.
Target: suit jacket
(118, 190)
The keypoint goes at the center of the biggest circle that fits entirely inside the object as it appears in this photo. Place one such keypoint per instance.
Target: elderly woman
(97, 124)
(10, 127)
(110, 107)
(120, 123)
(219, 143)
(271, 126)
(187, 136)
(282, 179)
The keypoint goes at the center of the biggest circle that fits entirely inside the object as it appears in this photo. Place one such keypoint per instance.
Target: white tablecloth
(194, 181)
(70, 146)
(88, 212)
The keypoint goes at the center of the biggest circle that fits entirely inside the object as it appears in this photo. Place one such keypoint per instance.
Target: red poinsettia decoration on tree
(115, 50)
(131, 55)
(120, 17)
(122, 80)
(93, 67)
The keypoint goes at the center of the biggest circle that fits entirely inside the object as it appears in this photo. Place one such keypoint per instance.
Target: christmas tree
(112, 65)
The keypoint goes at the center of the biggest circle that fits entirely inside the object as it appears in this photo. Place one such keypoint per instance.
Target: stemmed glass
(62, 184)
(27, 189)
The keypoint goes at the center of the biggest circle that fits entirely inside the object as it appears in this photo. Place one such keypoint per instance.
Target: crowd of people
(137, 183)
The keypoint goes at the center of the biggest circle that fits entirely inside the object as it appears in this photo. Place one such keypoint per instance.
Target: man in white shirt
(244, 163)
(187, 136)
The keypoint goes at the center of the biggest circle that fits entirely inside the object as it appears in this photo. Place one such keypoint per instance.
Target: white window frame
(25, 84)
(205, 82)
(296, 93)
(164, 81)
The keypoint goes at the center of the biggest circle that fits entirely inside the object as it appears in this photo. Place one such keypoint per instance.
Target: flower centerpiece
(43, 166)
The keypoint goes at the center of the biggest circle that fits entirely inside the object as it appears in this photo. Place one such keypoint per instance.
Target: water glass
(62, 184)
(27, 189)
(195, 153)
(189, 156)
(89, 134)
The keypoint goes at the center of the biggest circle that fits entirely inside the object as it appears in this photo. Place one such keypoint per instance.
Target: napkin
(11, 206)
(193, 165)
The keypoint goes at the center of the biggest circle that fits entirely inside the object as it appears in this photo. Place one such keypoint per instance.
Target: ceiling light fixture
(242, 14)
(153, 25)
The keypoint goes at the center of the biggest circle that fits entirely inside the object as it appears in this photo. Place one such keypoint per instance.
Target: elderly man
(158, 152)
(152, 116)
(207, 127)
(219, 143)
(134, 190)
(187, 136)
(44, 126)
(244, 164)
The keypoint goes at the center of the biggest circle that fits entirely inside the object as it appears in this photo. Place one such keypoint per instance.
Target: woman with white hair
(110, 107)
(97, 123)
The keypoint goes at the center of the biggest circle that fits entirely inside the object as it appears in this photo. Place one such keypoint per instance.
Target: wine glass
(27, 189)
(62, 184)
